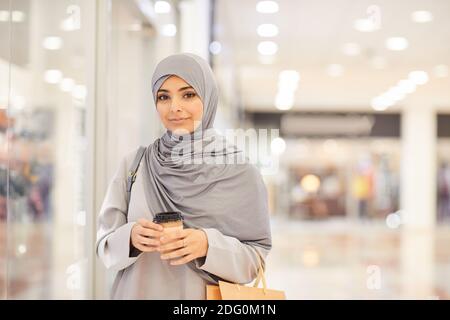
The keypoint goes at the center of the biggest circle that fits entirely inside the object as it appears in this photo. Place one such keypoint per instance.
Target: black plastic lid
(164, 217)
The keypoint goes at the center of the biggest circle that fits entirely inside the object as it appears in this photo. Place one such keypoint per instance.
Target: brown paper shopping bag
(233, 291)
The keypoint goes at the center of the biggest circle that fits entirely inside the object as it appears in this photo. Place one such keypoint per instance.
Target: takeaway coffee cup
(171, 221)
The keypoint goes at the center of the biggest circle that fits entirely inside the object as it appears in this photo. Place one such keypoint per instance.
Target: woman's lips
(178, 120)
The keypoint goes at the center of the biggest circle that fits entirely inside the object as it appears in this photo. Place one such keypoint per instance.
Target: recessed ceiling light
(288, 83)
(66, 84)
(422, 16)
(378, 105)
(287, 86)
(418, 77)
(278, 145)
(396, 43)
(267, 30)
(396, 94)
(267, 48)
(267, 7)
(289, 75)
(70, 24)
(440, 71)
(215, 47)
(169, 30)
(22, 249)
(407, 86)
(53, 76)
(365, 25)
(351, 49)
(284, 100)
(162, 7)
(73, 20)
(79, 92)
(52, 43)
(381, 103)
(18, 16)
(335, 70)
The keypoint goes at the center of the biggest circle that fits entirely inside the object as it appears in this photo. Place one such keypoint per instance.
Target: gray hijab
(229, 196)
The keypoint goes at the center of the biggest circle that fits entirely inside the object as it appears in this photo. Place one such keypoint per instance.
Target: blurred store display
(30, 167)
(365, 189)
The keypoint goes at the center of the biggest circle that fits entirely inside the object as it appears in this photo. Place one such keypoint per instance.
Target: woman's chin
(181, 130)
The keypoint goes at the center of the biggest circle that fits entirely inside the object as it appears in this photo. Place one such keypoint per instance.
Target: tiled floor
(309, 260)
(348, 260)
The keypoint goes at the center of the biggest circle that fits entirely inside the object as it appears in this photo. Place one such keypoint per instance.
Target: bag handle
(132, 173)
(261, 275)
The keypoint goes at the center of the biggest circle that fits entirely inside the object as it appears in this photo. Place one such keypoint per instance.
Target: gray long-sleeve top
(146, 276)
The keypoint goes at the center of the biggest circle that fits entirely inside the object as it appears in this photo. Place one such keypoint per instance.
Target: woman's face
(179, 106)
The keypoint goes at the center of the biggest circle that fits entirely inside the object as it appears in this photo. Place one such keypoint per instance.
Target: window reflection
(45, 140)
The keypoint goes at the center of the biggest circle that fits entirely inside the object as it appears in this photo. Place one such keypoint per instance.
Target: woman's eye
(162, 97)
(189, 95)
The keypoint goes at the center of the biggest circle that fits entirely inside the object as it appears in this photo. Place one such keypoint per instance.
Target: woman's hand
(183, 245)
(145, 235)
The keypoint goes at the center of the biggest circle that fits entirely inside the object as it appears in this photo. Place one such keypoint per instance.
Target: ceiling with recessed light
(340, 67)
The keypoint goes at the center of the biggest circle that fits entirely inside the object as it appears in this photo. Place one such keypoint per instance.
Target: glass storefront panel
(5, 28)
(61, 52)
(47, 252)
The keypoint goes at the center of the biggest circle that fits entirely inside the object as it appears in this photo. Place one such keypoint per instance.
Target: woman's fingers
(150, 224)
(176, 254)
(148, 241)
(180, 244)
(143, 231)
(144, 248)
(149, 228)
(150, 244)
(173, 245)
(183, 260)
(145, 235)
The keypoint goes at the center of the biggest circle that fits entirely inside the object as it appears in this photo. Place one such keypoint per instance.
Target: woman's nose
(176, 106)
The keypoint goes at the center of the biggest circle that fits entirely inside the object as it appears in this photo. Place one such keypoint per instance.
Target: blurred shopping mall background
(359, 91)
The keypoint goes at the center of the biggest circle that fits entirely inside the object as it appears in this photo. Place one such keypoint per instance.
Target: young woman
(224, 203)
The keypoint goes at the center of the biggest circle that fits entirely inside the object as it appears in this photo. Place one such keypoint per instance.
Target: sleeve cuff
(120, 253)
(228, 258)
(207, 263)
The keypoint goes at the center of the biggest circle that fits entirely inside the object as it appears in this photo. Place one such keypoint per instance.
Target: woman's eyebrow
(185, 88)
(181, 89)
